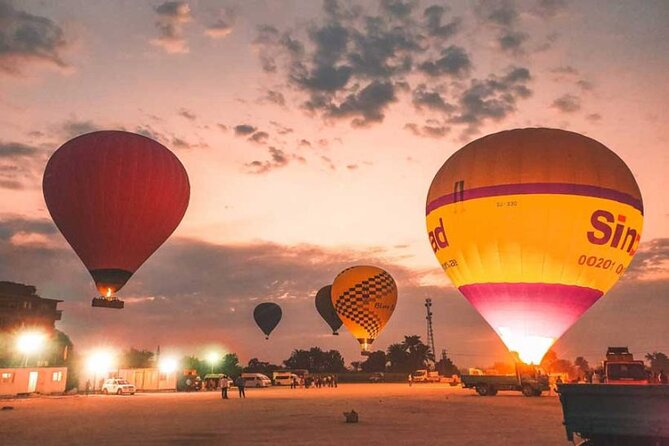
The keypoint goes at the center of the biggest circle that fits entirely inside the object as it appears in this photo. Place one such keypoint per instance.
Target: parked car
(376, 377)
(256, 380)
(118, 386)
(284, 378)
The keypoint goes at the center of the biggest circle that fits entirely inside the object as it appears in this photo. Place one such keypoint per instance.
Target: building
(25, 380)
(20, 307)
(151, 379)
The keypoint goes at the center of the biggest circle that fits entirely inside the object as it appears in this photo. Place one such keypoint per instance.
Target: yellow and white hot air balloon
(364, 298)
(533, 226)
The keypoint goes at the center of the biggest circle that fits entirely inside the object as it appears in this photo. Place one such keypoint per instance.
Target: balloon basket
(103, 302)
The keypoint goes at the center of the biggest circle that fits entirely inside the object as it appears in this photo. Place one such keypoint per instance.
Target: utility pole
(430, 332)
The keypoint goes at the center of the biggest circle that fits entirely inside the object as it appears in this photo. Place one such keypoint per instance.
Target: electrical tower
(430, 332)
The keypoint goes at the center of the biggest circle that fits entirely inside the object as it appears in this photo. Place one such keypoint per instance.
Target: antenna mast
(430, 332)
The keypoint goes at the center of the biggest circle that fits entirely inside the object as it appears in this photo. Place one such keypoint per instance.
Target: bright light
(30, 342)
(100, 361)
(530, 349)
(168, 364)
(212, 358)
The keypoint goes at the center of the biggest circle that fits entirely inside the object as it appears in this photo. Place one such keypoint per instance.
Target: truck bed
(614, 411)
(496, 380)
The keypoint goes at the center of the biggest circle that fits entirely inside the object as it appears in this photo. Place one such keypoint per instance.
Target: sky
(311, 132)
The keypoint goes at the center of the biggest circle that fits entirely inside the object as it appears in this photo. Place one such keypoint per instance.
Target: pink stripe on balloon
(538, 309)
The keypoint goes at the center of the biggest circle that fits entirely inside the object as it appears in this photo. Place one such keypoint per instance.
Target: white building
(26, 380)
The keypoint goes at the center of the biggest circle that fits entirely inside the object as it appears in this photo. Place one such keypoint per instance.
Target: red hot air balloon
(116, 197)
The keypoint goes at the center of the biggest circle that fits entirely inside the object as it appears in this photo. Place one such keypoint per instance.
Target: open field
(390, 414)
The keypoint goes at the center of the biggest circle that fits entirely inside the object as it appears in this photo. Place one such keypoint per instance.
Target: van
(284, 378)
(256, 380)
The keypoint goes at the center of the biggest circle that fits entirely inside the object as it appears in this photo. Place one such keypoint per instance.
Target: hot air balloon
(326, 310)
(364, 298)
(116, 197)
(533, 226)
(267, 315)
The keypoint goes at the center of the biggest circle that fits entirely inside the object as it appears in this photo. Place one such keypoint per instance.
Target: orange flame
(109, 292)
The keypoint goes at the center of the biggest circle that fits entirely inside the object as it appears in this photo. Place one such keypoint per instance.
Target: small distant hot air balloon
(116, 197)
(533, 226)
(267, 315)
(327, 310)
(364, 298)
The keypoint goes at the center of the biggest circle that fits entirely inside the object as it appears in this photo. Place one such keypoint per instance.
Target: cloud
(366, 106)
(454, 61)
(184, 294)
(275, 97)
(76, 127)
(281, 129)
(278, 159)
(244, 129)
(26, 38)
(172, 17)
(13, 150)
(21, 165)
(259, 137)
(594, 117)
(356, 62)
(427, 131)
(651, 262)
(187, 114)
(219, 29)
(425, 98)
(567, 103)
(493, 98)
(435, 28)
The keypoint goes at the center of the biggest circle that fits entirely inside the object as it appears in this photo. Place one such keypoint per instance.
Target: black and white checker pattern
(355, 302)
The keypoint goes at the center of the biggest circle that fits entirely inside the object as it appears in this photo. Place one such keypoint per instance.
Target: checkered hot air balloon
(364, 298)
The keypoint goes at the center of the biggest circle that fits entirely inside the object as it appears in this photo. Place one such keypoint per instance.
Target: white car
(256, 380)
(118, 386)
(284, 378)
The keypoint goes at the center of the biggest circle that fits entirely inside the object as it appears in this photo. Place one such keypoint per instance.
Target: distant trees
(409, 355)
(316, 360)
(375, 362)
(658, 361)
(446, 367)
(257, 366)
(137, 359)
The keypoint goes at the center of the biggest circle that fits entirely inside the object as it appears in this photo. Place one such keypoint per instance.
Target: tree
(409, 355)
(582, 365)
(137, 359)
(398, 357)
(552, 364)
(257, 366)
(658, 361)
(446, 367)
(375, 362)
(316, 360)
(230, 365)
(356, 365)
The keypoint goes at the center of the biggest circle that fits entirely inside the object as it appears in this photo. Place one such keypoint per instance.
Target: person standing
(410, 379)
(240, 386)
(662, 377)
(225, 383)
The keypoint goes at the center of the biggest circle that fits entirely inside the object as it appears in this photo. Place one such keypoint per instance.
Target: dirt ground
(390, 414)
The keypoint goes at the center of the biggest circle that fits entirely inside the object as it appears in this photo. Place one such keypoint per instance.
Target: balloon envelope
(267, 315)
(116, 197)
(364, 298)
(533, 226)
(326, 309)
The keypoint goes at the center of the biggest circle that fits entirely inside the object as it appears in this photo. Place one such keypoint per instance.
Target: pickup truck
(625, 410)
(528, 379)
